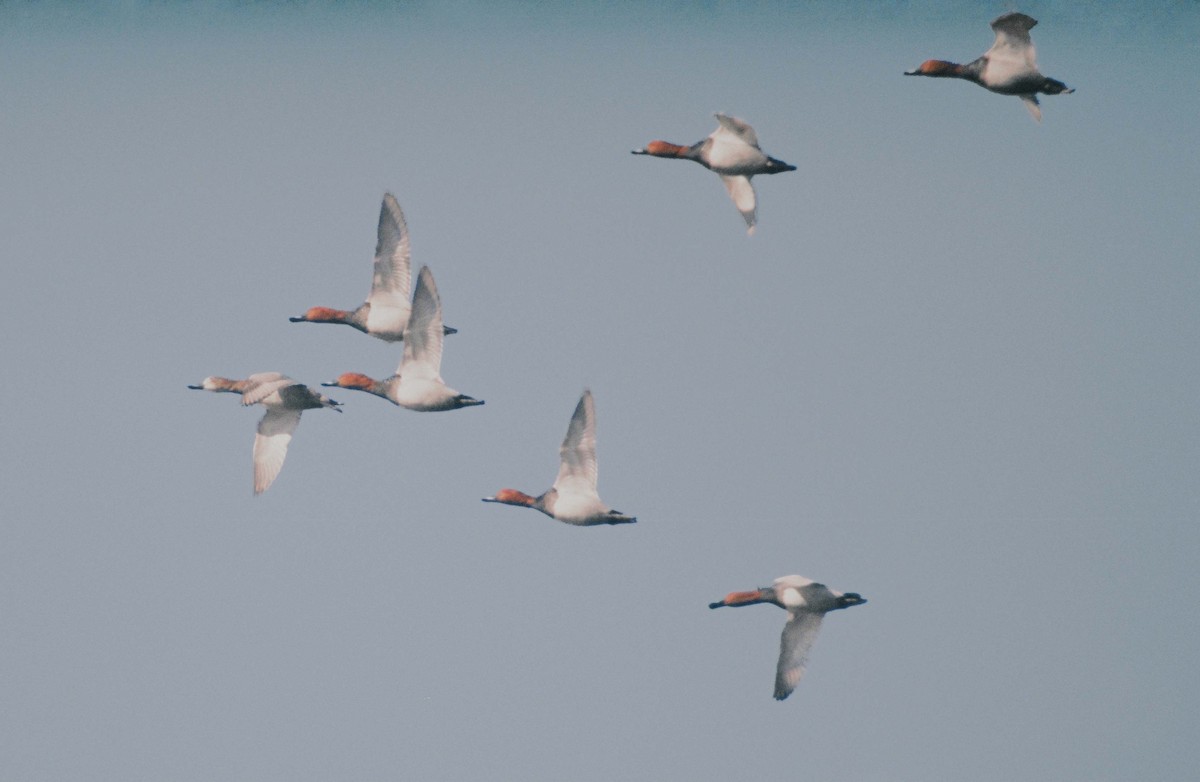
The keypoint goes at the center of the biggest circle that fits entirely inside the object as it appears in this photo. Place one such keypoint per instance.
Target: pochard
(732, 152)
(806, 602)
(573, 498)
(386, 311)
(285, 400)
(1008, 68)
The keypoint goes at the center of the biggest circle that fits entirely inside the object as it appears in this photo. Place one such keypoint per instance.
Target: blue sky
(954, 370)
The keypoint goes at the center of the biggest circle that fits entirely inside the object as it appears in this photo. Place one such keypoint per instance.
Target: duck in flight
(806, 602)
(385, 313)
(573, 498)
(1008, 68)
(732, 152)
(285, 400)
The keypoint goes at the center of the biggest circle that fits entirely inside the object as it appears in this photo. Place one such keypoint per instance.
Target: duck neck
(359, 382)
(377, 387)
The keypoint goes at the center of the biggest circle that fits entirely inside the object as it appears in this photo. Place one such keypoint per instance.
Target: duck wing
(392, 280)
(387, 304)
(577, 471)
(742, 192)
(1031, 102)
(739, 129)
(1013, 29)
(271, 444)
(798, 636)
(261, 385)
(424, 335)
(1013, 43)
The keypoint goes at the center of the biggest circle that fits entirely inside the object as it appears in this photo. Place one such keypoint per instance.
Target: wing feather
(741, 190)
(1013, 44)
(798, 636)
(392, 280)
(1031, 103)
(424, 335)
(261, 385)
(738, 128)
(271, 445)
(577, 471)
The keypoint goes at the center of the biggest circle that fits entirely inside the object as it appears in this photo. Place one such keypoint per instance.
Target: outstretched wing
(271, 444)
(393, 257)
(1012, 39)
(738, 128)
(577, 472)
(387, 308)
(1013, 29)
(798, 636)
(424, 335)
(742, 192)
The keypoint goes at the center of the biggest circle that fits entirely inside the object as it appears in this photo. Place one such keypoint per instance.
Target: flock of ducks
(732, 152)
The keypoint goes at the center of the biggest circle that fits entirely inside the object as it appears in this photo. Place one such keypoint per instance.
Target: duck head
(663, 149)
(937, 68)
(321, 315)
(764, 595)
(512, 497)
(353, 380)
(214, 383)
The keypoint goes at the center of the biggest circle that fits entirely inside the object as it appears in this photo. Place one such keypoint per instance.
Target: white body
(733, 148)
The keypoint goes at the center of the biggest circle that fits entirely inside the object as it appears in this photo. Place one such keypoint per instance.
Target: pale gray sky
(955, 370)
